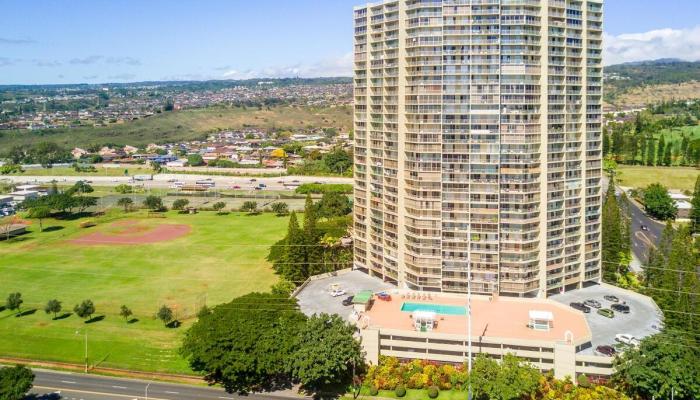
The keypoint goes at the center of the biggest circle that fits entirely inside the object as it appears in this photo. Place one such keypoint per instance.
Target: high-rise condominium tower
(478, 140)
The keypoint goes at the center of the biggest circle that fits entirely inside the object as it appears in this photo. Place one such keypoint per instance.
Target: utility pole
(86, 348)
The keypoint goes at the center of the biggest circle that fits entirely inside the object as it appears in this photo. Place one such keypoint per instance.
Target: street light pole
(469, 327)
(86, 348)
(147, 385)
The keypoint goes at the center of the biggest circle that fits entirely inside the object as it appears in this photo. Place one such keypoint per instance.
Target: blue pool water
(436, 308)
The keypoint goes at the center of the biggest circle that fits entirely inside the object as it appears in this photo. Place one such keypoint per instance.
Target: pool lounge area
(439, 309)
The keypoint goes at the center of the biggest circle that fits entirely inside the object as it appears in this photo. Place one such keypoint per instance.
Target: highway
(54, 385)
(166, 180)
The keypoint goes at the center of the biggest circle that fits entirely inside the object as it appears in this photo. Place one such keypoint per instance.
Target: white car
(338, 293)
(627, 339)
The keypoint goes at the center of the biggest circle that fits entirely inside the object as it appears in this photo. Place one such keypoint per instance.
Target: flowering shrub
(417, 374)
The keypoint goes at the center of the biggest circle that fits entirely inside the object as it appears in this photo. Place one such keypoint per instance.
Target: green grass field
(679, 178)
(187, 125)
(675, 135)
(223, 257)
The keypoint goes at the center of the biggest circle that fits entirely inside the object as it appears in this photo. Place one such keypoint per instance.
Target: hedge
(317, 188)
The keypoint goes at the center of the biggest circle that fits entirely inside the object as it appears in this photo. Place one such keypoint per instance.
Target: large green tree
(15, 382)
(612, 234)
(247, 344)
(292, 263)
(327, 353)
(660, 152)
(695, 211)
(661, 363)
(333, 204)
(512, 379)
(314, 251)
(658, 203)
(14, 301)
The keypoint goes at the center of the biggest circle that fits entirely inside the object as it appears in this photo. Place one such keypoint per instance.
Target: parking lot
(640, 322)
(315, 298)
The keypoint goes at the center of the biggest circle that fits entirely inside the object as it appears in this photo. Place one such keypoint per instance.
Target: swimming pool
(436, 308)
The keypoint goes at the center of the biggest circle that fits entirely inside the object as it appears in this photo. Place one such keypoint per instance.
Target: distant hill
(639, 83)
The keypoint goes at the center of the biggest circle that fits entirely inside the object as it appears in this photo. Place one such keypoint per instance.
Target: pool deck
(498, 318)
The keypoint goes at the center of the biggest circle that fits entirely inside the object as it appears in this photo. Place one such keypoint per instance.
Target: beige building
(549, 335)
(478, 138)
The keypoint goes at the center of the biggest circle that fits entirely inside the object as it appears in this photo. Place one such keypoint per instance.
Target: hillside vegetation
(187, 125)
(641, 83)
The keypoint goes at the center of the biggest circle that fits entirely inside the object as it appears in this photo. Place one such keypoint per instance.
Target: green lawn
(679, 178)
(223, 257)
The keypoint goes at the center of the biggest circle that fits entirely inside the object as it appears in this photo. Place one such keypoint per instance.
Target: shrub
(433, 392)
(583, 381)
(373, 391)
(316, 188)
(400, 391)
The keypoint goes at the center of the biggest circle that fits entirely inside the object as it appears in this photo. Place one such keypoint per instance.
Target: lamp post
(147, 385)
(469, 327)
(86, 348)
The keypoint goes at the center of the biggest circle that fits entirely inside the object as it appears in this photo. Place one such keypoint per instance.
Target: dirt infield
(131, 232)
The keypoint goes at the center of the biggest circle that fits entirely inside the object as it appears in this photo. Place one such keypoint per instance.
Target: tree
(660, 151)
(512, 379)
(292, 265)
(314, 252)
(7, 225)
(15, 382)
(695, 210)
(53, 306)
(125, 312)
(611, 234)
(658, 203)
(667, 156)
(165, 314)
(123, 188)
(125, 202)
(195, 160)
(218, 206)
(180, 204)
(247, 344)
(651, 152)
(660, 363)
(338, 161)
(80, 187)
(153, 203)
(250, 207)
(327, 353)
(40, 213)
(334, 204)
(14, 302)
(85, 309)
(280, 208)
(83, 202)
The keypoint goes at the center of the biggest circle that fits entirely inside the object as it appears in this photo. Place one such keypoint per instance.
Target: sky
(95, 41)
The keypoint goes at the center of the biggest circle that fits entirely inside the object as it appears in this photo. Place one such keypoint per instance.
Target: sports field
(183, 261)
(678, 178)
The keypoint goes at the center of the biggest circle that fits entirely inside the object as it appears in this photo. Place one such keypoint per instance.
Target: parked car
(348, 300)
(236, 187)
(338, 293)
(623, 308)
(644, 228)
(606, 312)
(592, 303)
(627, 339)
(606, 350)
(580, 307)
(611, 298)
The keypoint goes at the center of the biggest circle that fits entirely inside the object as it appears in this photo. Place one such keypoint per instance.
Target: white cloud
(339, 66)
(651, 45)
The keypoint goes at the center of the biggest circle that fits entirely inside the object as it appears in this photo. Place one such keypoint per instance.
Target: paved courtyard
(314, 298)
(644, 314)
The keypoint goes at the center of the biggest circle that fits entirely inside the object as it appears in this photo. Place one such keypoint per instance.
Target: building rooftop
(498, 318)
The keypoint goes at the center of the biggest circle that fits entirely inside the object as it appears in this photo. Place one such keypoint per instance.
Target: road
(54, 385)
(161, 180)
(642, 239)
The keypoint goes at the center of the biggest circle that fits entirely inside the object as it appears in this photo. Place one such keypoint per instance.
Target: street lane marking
(69, 382)
(119, 387)
(227, 398)
(169, 392)
(97, 393)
